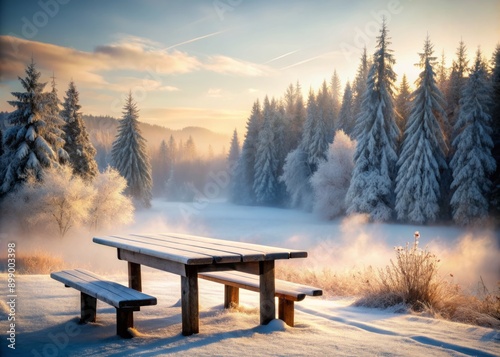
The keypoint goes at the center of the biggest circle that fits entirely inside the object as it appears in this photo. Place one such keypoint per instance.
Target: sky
(204, 63)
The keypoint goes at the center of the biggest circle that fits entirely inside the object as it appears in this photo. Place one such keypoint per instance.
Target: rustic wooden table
(187, 255)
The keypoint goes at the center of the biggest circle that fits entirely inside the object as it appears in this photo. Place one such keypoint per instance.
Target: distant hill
(103, 129)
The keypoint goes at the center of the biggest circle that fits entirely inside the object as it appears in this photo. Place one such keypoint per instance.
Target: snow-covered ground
(46, 312)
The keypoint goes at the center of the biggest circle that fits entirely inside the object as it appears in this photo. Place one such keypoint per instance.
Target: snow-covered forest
(422, 154)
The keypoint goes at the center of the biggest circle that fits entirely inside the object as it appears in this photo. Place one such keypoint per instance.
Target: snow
(329, 325)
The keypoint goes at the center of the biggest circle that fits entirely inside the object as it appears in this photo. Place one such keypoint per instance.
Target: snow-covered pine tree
(31, 144)
(472, 161)
(189, 153)
(266, 185)
(160, 169)
(456, 83)
(372, 186)
(331, 181)
(495, 117)
(335, 88)
(80, 150)
(234, 150)
(442, 75)
(55, 123)
(359, 88)
(423, 152)
(346, 120)
(130, 156)
(326, 112)
(241, 191)
(298, 166)
(295, 113)
(402, 104)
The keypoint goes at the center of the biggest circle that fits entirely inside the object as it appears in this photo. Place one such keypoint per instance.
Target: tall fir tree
(359, 89)
(402, 104)
(372, 186)
(423, 152)
(335, 89)
(33, 141)
(323, 130)
(234, 150)
(495, 117)
(295, 113)
(346, 120)
(456, 82)
(472, 161)
(80, 150)
(241, 191)
(130, 156)
(442, 75)
(300, 163)
(266, 184)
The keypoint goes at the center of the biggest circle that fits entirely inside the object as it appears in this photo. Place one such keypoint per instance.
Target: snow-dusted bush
(331, 181)
(60, 201)
(110, 206)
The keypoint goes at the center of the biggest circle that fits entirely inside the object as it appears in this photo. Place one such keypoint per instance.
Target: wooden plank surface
(251, 282)
(194, 250)
(270, 252)
(110, 292)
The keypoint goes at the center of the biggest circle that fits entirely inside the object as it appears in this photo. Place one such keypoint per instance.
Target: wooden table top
(194, 250)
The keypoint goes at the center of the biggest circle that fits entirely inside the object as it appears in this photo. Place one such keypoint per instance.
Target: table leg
(189, 297)
(134, 276)
(267, 290)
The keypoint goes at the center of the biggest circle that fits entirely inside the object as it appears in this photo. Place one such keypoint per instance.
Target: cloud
(229, 65)
(214, 92)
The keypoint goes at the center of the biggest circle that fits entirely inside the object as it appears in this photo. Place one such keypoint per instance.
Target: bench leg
(231, 296)
(190, 307)
(88, 306)
(134, 276)
(286, 311)
(124, 320)
(267, 290)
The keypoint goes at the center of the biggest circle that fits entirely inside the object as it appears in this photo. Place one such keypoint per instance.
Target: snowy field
(47, 312)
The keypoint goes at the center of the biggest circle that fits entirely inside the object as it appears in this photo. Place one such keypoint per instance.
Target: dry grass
(35, 263)
(412, 282)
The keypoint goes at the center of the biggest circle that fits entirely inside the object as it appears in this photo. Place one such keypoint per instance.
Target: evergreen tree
(359, 89)
(442, 75)
(455, 85)
(300, 163)
(472, 161)
(423, 153)
(189, 153)
(234, 150)
(322, 134)
(55, 123)
(335, 88)
(266, 185)
(402, 104)
(130, 156)
(244, 172)
(295, 115)
(495, 116)
(81, 152)
(31, 143)
(346, 120)
(160, 168)
(371, 188)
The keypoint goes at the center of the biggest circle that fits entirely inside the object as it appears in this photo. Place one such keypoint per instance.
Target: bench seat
(287, 292)
(93, 288)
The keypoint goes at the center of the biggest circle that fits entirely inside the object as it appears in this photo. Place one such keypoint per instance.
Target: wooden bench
(287, 292)
(93, 288)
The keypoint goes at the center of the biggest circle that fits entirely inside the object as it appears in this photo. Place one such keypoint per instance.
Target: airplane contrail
(279, 57)
(301, 62)
(195, 39)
